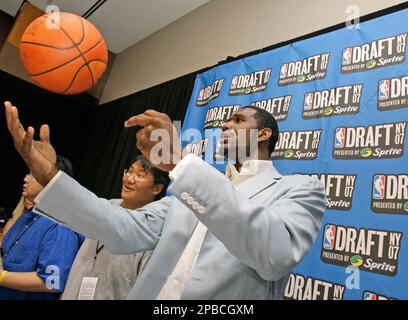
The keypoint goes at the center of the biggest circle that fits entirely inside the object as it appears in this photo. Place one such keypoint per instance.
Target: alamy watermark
(353, 17)
(231, 145)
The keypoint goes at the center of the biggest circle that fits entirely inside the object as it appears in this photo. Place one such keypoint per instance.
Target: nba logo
(347, 53)
(284, 71)
(369, 296)
(379, 187)
(234, 82)
(329, 236)
(340, 137)
(384, 89)
(308, 103)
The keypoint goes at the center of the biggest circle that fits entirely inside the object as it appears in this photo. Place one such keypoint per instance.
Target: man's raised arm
(39, 156)
(66, 201)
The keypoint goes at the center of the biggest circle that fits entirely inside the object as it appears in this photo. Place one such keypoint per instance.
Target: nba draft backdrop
(341, 101)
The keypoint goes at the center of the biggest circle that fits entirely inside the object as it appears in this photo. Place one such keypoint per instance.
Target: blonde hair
(18, 211)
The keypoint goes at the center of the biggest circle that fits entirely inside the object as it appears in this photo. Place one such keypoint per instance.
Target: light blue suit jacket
(255, 235)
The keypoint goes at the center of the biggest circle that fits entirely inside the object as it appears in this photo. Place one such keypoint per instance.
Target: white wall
(219, 29)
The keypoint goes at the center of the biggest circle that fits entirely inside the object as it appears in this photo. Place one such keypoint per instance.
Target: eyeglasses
(136, 175)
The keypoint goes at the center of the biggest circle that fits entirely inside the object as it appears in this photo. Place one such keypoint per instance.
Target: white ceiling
(122, 22)
(10, 6)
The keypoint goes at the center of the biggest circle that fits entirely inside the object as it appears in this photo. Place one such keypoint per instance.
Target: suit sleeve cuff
(47, 187)
(189, 159)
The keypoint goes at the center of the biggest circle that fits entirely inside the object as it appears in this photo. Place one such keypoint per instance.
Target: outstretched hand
(39, 156)
(157, 140)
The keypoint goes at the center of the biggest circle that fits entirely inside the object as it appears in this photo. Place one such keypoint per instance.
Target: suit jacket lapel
(182, 223)
(259, 182)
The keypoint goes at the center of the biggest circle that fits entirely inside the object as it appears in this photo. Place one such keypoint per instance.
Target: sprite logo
(328, 111)
(301, 78)
(366, 152)
(371, 64)
(247, 90)
(216, 124)
(356, 261)
(406, 206)
(288, 154)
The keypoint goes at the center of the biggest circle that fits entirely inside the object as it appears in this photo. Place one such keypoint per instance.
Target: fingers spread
(143, 138)
(142, 120)
(28, 139)
(156, 114)
(45, 133)
(7, 106)
(16, 127)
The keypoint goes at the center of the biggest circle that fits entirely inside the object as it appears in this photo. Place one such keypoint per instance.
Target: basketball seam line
(65, 63)
(68, 36)
(45, 45)
(76, 45)
(76, 74)
(89, 68)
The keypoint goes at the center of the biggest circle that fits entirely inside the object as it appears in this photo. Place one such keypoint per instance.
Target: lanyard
(19, 235)
(98, 249)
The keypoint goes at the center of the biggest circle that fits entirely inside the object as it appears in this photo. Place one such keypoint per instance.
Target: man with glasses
(37, 253)
(98, 274)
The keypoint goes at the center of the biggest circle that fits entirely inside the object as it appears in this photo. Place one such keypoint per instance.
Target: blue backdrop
(341, 103)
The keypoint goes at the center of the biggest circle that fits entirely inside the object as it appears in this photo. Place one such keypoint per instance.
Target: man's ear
(264, 134)
(157, 188)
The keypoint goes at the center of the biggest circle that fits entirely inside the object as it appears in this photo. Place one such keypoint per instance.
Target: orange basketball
(63, 53)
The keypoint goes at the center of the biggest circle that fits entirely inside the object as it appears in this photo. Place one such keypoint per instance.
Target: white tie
(174, 286)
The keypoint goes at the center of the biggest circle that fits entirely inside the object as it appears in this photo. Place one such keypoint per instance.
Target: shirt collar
(249, 168)
(29, 213)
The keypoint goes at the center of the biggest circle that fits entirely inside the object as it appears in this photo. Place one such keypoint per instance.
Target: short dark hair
(159, 176)
(64, 164)
(265, 119)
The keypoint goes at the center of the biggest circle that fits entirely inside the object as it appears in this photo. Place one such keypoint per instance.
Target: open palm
(39, 156)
